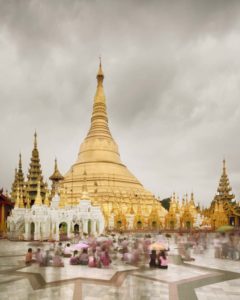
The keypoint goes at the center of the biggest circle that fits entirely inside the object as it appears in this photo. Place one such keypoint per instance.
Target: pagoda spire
(38, 199)
(18, 181)
(21, 181)
(35, 140)
(14, 186)
(56, 177)
(99, 120)
(28, 205)
(17, 198)
(21, 203)
(224, 188)
(46, 199)
(35, 174)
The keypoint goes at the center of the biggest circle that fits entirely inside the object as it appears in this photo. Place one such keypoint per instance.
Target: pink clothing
(57, 261)
(163, 262)
(67, 251)
(105, 259)
(39, 257)
(92, 262)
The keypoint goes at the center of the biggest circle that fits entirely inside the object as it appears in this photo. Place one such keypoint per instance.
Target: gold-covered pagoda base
(99, 171)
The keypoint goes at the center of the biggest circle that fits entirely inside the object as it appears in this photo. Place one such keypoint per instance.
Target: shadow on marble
(227, 290)
(133, 288)
(68, 272)
(172, 274)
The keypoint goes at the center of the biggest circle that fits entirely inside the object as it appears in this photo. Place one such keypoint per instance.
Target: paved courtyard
(205, 278)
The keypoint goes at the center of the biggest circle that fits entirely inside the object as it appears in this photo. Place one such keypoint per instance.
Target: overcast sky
(172, 83)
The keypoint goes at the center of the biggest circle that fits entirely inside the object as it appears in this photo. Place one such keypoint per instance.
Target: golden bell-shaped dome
(99, 159)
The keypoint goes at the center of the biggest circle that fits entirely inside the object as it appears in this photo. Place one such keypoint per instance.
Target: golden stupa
(99, 170)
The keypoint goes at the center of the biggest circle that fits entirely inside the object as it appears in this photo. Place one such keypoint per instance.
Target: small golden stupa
(109, 182)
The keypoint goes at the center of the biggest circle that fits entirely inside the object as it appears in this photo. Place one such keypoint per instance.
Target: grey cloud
(172, 77)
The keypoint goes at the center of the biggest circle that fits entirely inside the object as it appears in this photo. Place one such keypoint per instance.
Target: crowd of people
(227, 246)
(99, 252)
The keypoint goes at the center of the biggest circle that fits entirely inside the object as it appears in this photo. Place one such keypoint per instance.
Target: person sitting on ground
(46, 259)
(162, 260)
(93, 262)
(74, 260)
(105, 258)
(83, 258)
(28, 257)
(67, 251)
(57, 261)
(153, 258)
(59, 248)
(39, 256)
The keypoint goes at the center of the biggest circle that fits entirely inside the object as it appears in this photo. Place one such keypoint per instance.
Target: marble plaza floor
(206, 278)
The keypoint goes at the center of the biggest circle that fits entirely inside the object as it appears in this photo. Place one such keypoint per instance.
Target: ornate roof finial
(100, 75)
(21, 203)
(28, 204)
(35, 140)
(55, 165)
(224, 165)
(224, 188)
(17, 198)
(38, 199)
(20, 161)
(56, 176)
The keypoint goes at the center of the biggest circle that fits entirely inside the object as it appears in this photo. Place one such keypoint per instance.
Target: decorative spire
(192, 200)
(46, 199)
(14, 187)
(100, 75)
(21, 182)
(38, 199)
(35, 174)
(28, 204)
(56, 177)
(35, 140)
(224, 188)
(99, 120)
(18, 181)
(17, 198)
(21, 203)
(20, 161)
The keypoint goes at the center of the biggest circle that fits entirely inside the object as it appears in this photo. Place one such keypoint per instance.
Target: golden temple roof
(56, 174)
(106, 176)
(224, 188)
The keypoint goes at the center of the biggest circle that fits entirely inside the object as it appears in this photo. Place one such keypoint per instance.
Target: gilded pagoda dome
(108, 180)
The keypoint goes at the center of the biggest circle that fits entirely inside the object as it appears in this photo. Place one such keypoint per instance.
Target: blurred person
(57, 260)
(28, 257)
(105, 258)
(46, 259)
(39, 256)
(153, 259)
(67, 251)
(162, 261)
(74, 260)
(83, 258)
(217, 246)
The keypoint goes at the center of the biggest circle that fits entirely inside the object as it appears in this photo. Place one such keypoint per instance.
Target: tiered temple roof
(56, 177)
(224, 188)
(35, 174)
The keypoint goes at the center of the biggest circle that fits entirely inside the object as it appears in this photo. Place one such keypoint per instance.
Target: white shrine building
(44, 222)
